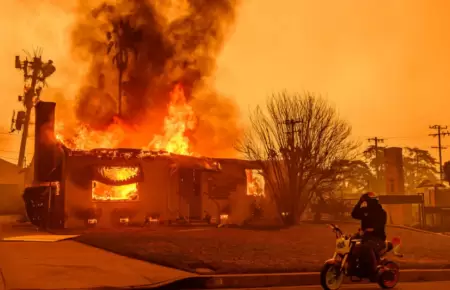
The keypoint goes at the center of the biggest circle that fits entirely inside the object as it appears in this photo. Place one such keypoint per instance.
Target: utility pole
(290, 124)
(376, 142)
(35, 72)
(439, 134)
(291, 152)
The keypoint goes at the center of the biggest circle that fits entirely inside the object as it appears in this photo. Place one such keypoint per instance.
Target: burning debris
(119, 174)
(179, 121)
(166, 85)
(104, 192)
(119, 183)
(116, 173)
(255, 182)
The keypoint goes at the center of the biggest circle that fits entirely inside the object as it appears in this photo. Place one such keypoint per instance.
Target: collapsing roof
(128, 154)
(49, 152)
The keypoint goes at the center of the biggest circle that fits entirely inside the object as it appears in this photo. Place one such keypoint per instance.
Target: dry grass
(226, 250)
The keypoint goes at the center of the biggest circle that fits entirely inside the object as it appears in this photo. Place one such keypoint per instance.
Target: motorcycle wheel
(388, 275)
(331, 277)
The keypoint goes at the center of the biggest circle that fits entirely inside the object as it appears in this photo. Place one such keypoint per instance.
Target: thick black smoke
(172, 43)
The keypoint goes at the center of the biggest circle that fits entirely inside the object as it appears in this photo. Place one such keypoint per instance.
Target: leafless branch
(302, 164)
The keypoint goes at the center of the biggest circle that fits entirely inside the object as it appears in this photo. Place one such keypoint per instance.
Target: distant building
(11, 186)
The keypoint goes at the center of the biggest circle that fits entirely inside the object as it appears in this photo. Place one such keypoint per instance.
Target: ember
(124, 221)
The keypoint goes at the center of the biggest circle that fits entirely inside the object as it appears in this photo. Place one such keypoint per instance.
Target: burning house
(109, 187)
(148, 76)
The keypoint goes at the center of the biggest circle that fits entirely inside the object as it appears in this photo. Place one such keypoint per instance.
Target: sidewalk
(68, 264)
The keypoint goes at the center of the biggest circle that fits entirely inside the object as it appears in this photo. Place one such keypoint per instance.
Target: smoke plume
(169, 43)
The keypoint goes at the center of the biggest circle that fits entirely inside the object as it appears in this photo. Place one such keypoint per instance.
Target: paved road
(68, 264)
(400, 286)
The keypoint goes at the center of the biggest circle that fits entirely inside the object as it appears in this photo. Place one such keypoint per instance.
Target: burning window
(102, 192)
(116, 183)
(255, 182)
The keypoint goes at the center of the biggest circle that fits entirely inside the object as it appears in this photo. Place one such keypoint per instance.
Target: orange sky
(384, 64)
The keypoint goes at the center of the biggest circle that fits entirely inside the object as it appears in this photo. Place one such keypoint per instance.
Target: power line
(396, 137)
(439, 134)
(406, 137)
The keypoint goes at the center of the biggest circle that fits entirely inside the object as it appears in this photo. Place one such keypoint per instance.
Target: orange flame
(255, 183)
(123, 192)
(179, 120)
(102, 192)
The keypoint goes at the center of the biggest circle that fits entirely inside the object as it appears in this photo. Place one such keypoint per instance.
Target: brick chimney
(45, 145)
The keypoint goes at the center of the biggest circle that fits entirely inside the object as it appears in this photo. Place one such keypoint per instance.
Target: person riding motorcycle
(373, 223)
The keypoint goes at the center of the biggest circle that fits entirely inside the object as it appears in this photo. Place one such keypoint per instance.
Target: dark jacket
(373, 216)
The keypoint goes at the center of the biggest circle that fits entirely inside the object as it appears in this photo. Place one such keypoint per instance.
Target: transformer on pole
(35, 72)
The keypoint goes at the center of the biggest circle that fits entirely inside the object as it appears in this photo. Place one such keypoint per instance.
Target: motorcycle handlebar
(336, 229)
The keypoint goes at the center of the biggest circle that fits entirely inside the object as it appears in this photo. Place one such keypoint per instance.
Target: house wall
(230, 191)
(442, 197)
(438, 197)
(430, 200)
(175, 205)
(11, 187)
(154, 196)
(211, 204)
(159, 194)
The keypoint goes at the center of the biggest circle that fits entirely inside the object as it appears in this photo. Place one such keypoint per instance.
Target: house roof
(427, 184)
(198, 162)
(247, 164)
(130, 154)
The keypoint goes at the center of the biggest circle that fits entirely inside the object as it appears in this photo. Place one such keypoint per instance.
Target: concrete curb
(287, 280)
(389, 226)
(418, 230)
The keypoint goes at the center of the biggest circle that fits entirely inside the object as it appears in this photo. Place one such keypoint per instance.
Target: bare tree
(304, 161)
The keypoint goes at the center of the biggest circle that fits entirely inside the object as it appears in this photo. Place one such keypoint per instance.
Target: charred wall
(225, 191)
(153, 189)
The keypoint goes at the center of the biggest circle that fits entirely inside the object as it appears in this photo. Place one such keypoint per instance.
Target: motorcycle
(345, 263)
